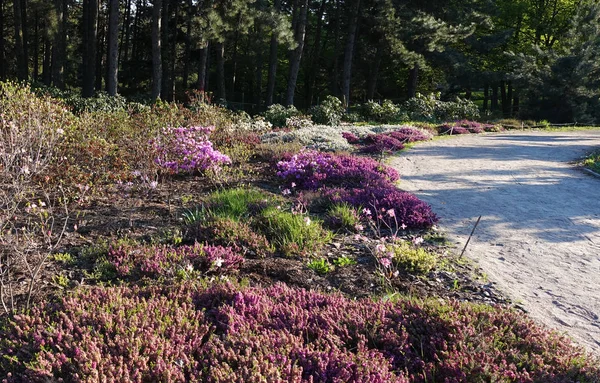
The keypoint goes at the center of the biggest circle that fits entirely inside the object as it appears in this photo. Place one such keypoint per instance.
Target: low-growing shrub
(431, 108)
(329, 112)
(382, 200)
(238, 235)
(593, 162)
(279, 334)
(187, 150)
(153, 261)
(319, 137)
(451, 129)
(343, 216)
(382, 144)
(299, 122)
(293, 234)
(310, 170)
(278, 114)
(411, 258)
(351, 138)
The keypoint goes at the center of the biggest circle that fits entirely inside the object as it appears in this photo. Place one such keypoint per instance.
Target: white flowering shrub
(299, 122)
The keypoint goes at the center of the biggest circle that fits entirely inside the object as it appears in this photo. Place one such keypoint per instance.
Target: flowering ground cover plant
(278, 334)
(310, 169)
(165, 260)
(187, 150)
(387, 141)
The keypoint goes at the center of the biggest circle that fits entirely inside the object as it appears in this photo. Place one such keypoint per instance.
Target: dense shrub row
(278, 334)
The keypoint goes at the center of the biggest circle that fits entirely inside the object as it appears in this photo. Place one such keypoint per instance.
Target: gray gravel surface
(539, 235)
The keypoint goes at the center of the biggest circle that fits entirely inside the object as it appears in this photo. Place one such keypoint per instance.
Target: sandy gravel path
(539, 236)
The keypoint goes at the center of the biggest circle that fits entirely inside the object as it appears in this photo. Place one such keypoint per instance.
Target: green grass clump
(320, 266)
(413, 259)
(235, 203)
(343, 216)
(593, 162)
(293, 233)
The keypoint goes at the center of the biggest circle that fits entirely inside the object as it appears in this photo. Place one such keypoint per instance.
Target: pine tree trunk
(374, 73)
(413, 81)
(90, 36)
(494, 100)
(126, 39)
(173, 53)
(258, 75)
(60, 45)
(234, 60)
(349, 52)
(509, 98)
(515, 106)
(112, 56)
(188, 45)
(36, 45)
(2, 43)
(505, 106)
(202, 68)
(296, 56)
(24, 23)
(135, 32)
(222, 94)
(19, 44)
(100, 45)
(46, 74)
(313, 69)
(334, 88)
(156, 49)
(486, 96)
(165, 49)
(271, 77)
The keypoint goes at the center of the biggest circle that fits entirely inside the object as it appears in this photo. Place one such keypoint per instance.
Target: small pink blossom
(385, 262)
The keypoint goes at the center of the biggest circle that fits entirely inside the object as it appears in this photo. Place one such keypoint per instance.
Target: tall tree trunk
(126, 35)
(505, 106)
(296, 56)
(112, 55)
(188, 45)
(135, 32)
(515, 106)
(90, 36)
(509, 98)
(313, 70)
(59, 47)
(349, 53)
(173, 53)
(165, 49)
(220, 50)
(156, 49)
(24, 23)
(234, 59)
(374, 73)
(272, 75)
(36, 45)
(486, 97)
(202, 64)
(494, 100)
(100, 45)
(2, 43)
(258, 74)
(19, 44)
(334, 86)
(46, 73)
(413, 81)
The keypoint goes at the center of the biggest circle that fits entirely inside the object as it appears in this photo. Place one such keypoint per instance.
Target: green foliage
(236, 203)
(343, 216)
(293, 233)
(430, 108)
(412, 258)
(343, 261)
(278, 114)
(329, 112)
(64, 258)
(593, 162)
(320, 266)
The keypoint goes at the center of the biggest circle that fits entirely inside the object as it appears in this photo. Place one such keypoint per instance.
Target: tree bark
(59, 48)
(234, 60)
(296, 56)
(173, 53)
(413, 81)
(46, 74)
(486, 96)
(334, 87)
(349, 52)
(165, 48)
(509, 98)
(156, 50)
(126, 37)
(36, 45)
(19, 43)
(2, 43)
(374, 73)
(112, 56)
(313, 70)
(258, 74)
(222, 94)
(100, 45)
(504, 99)
(515, 106)
(188, 45)
(202, 68)
(494, 100)
(90, 36)
(271, 77)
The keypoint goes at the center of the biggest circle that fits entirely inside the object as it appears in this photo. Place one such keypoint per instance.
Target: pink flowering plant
(187, 150)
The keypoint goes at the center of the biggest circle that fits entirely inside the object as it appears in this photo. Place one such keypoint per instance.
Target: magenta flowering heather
(161, 260)
(311, 169)
(278, 334)
(187, 150)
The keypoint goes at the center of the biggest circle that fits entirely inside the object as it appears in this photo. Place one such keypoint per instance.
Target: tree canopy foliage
(527, 58)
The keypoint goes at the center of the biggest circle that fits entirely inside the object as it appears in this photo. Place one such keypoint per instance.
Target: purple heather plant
(409, 134)
(382, 200)
(351, 138)
(187, 150)
(451, 129)
(278, 334)
(159, 260)
(310, 169)
(381, 143)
